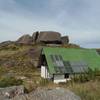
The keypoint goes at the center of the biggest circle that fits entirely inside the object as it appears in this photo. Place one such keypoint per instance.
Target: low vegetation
(10, 81)
(87, 91)
(86, 86)
(16, 69)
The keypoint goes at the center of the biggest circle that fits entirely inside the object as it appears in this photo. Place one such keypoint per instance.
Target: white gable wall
(44, 72)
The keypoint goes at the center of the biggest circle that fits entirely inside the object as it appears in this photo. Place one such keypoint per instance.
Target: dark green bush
(9, 81)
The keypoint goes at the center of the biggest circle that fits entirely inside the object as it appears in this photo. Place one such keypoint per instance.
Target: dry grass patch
(87, 91)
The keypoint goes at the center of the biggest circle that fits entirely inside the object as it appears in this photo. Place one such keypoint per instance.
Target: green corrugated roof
(90, 56)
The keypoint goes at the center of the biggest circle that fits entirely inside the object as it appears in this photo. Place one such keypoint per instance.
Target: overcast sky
(79, 19)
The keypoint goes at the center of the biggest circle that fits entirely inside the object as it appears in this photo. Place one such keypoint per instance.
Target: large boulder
(47, 37)
(47, 94)
(35, 36)
(25, 39)
(54, 94)
(65, 39)
(9, 93)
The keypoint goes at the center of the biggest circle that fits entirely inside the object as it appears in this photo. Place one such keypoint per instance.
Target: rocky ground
(17, 93)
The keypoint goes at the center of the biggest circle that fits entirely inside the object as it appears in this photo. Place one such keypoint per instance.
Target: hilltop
(26, 50)
(19, 65)
(20, 58)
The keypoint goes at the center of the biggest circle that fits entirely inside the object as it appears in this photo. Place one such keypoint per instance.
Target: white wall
(44, 72)
(59, 78)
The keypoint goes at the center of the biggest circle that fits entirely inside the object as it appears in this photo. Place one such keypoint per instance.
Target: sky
(79, 19)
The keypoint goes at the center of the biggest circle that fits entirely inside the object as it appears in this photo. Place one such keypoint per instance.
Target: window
(66, 75)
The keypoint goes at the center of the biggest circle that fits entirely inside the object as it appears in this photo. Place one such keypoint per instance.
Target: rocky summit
(46, 37)
(25, 39)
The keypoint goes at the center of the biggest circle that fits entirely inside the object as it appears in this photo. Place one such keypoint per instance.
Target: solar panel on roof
(56, 56)
(56, 69)
(58, 63)
(63, 69)
(60, 57)
(57, 60)
(53, 60)
(60, 60)
(68, 67)
(59, 69)
(79, 67)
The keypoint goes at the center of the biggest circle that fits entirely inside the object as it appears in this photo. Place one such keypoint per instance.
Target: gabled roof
(71, 60)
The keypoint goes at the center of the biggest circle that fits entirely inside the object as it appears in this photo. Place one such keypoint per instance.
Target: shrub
(80, 78)
(9, 81)
(94, 74)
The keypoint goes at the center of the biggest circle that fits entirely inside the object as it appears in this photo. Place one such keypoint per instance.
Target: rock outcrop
(53, 94)
(25, 39)
(65, 39)
(10, 92)
(39, 94)
(46, 37)
(35, 36)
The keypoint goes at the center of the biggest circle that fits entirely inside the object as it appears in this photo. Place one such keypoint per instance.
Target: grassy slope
(87, 91)
(23, 66)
